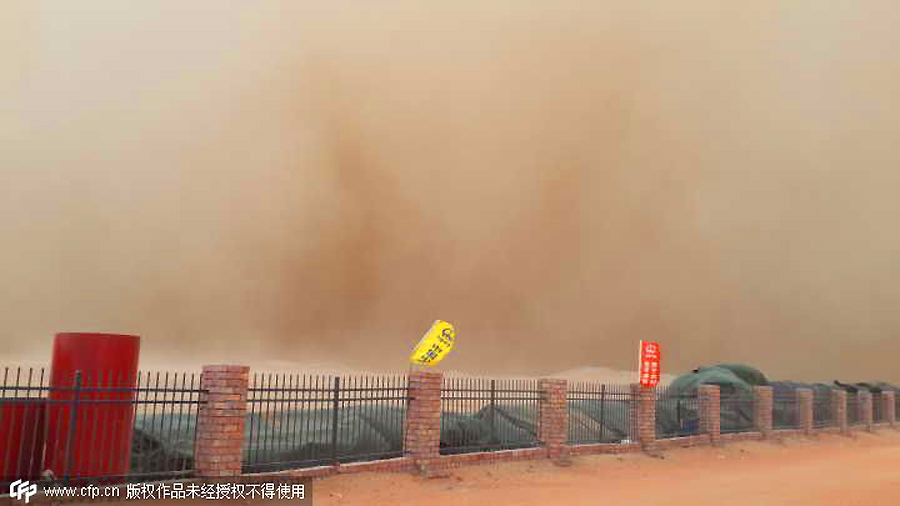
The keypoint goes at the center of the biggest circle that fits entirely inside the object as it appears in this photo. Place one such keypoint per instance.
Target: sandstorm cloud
(321, 180)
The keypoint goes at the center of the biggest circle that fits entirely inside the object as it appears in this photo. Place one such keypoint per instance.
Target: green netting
(593, 420)
(503, 425)
(677, 407)
(727, 380)
(288, 438)
(162, 443)
(747, 374)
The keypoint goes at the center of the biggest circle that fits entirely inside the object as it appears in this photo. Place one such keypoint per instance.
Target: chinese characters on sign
(650, 364)
(435, 344)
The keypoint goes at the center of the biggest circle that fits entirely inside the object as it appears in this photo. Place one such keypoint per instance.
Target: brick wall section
(451, 461)
(553, 425)
(604, 448)
(762, 410)
(890, 415)
(865, 408)
(377, 466)
(839, 410)
(709, 412)
(422, 434)
(220, 423)
(683, 442)
(804, 410)
(741, 436)
(643, 416)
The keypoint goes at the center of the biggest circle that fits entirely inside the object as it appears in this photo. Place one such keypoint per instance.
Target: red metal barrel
(90, 412)
(21, 438)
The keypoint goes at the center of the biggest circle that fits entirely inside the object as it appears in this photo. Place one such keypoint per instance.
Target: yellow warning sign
(434, 345)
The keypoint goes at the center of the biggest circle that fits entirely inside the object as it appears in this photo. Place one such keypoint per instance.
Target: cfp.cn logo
(22, 490)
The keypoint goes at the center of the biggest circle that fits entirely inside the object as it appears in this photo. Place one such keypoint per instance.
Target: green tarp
(593, 421)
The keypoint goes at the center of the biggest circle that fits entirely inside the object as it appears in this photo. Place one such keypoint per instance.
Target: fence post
(422, 434)
(762, 410)
(643, 416)
(220, 421)
(553, 424)
(889, 399)
(73, 423)
(805, 410)
(864, 397)
(710, 422)
(335, 409)
(839, 410)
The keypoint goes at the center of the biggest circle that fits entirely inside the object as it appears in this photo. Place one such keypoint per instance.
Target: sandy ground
(826, 470)
(817, 471)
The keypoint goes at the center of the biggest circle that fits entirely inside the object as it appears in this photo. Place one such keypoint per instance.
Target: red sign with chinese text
(650, 360)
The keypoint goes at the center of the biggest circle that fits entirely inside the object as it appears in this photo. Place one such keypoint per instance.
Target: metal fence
(878, 415)
(785, 412)
(97, 426)
(599, 413)
(736, 412)
(297, 421)
(823, 412)
(853, 414)
(488, 414)
(677, 413)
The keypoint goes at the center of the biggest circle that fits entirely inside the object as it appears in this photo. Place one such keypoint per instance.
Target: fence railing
(677, 413)
(785, 412)
(878, 415)
(97, 427)
(599, 413)
(488, 414)
(823, 411)
(853, 411)
(736, 412)
(296, 421)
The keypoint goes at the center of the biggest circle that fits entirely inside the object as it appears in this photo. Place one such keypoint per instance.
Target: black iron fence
(94, 427)
(823, 411)
(599, 413)
(677, 413)
(296, 421)
(785, 410)
(878, 415)
(489, 414)
(853, 411)
(736, 412)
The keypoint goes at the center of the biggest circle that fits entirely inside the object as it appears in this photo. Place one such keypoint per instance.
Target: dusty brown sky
(320, 180)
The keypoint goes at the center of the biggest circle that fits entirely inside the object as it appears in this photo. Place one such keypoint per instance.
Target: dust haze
(318, 181)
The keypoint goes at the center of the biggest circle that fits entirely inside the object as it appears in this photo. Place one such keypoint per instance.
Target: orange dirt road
(822, 470)
(825, 470)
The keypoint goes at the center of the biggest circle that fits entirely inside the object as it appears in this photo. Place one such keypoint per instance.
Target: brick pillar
(864, 398)
(709, 412)
(762, 410)
(839, 410)
(553, 428)
(219, 441)
(805, 409)
(888, 398)
(422, 435)
(643, 416)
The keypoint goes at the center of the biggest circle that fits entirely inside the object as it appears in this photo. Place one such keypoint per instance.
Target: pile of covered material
(599, 421)
(677, 410)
